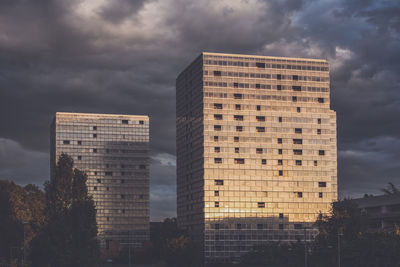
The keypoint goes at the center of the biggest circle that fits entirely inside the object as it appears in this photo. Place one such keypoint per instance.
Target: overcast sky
(122, 56)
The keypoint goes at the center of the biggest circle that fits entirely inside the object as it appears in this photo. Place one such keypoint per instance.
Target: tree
(69, 237)
(391, 189)
(19, 204)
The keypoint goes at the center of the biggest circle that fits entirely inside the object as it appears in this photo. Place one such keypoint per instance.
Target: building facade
(256, 150)
(114, 152)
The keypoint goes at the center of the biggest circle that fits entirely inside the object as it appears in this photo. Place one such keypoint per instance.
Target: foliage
(181, 251)
(391, 189)
(69, 237)
(19, 204)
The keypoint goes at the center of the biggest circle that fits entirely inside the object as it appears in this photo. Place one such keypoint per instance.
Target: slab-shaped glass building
(256, 150)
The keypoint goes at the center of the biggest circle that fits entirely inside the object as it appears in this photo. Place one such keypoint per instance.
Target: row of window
(259, 130)
(221, 182)
(219, 117)
(218, 73)
(278, 87)
(265, 97)
(264, 161)
(262, 65)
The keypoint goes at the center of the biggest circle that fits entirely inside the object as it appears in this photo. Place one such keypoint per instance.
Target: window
(217, 117)
(217, 160)
(298, 163)
(239, 128)
(280, 215)
(125, 121)
(294, 98)
(79, 157)
(297, 141)
(108, 218)
(296, 88)
(258, 86)
(239, 226)
(297, 152)
(321, 184)
(319, 120)
(80, 143)
(122, 181)
(216, 193)
(261, 204)
(280, 162)
(238, 117)
(95, 188)
(215, 138)
(239, 161)
(108, 173)
(260, 118)
(260, 226)
(298, 109)
(315, 163)
(281, 226)
(295, 77)
(236, 85)
(217, 106)
(236, 139)
(217, 149)
(217, 127)
(237, 107)
(142, 167)
(298, 226)
(237, 96)
(320, 100)
(263, 161)
(280, 119)
(279, 87)
(259, 150)
(318, 131)
(298, 130)
(122, 196)
(108, 188)
(216, 226)
(99, 181)
(216, 204)
(236, 150)
(94, 135)
(278, 76)
(94, 150)
(320, 195)
(94, 128)
(141, 122)
(280, 151)
(123, 211)
(280, 173)
(218, 182)
(66, 142)
(260, 65)
(260, 129)
(217, 73)
(279, 140)
(258, 107)
(321, 152)
(299, 194)
(95, 173)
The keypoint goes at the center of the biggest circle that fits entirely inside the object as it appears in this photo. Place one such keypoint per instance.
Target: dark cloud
(123, 57)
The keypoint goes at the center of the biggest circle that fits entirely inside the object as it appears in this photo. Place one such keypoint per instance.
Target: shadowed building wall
(256, 150)
(114, 152)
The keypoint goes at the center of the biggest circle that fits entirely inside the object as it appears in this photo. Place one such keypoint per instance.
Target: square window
(321, 152)
(94, 150)
(218, 117)
(239, 128)
(260, 118)
(99, 181)
(280, 162)
(258, 107)
(321, 184)
(122, 196)
(94, 128)
(142, 167)
(237, 107)
(318, 131)
(79, 157)
(298, 226)
(261, 204)
(239, 161)
(218, 160)
(281, 226)
(278, 76)
(260, 129)
(236, 138)
(296, 88)
(294, 98)
(319, 121)
(320, 195)
(217, 127)
(258, 86)
(217, 106)
(279, 140)
(216, 193)
(260, 65)
(123, 211)
(95, 188)
(298, 163)
(280, 151)
(79, 142)
(280, 215)
(298, 130)
(125, 121)
(108, 188)
(217, 149)
(216, 204)
(94, 135)
(279, 87)
(217, 73)
(297, 141)
(280, 119)
(297, 152)
(280, 173)
(259, 150)
(218, 182)
(215, 138)
(315, 163)
(320, 100)
(122, 181)
(299, 194)
(108, 173)
(236, 150)
(263, 161)
(260, 226)
(236, 85)
(298, 109)
(141, 122)
(238, 96)
(66, 142)
(238, 117)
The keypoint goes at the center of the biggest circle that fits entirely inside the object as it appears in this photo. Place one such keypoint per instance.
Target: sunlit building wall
(256, 150)
(114, 152)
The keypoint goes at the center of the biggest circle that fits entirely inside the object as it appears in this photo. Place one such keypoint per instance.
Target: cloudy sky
(122, 56)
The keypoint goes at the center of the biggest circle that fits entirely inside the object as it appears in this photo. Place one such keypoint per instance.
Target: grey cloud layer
(123, 56)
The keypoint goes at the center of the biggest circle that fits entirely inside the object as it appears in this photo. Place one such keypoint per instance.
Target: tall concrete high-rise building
(256, 150)
(114, 152)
